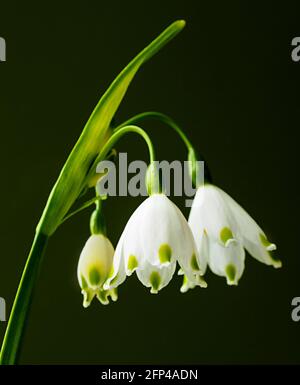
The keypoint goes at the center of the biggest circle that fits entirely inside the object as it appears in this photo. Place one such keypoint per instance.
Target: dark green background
(230, 81)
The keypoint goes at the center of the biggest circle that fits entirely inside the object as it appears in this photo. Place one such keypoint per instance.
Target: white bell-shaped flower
(94, 266)
(222, 229)
(156, 236)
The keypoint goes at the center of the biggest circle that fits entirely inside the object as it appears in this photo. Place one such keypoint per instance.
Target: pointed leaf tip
(181, 23)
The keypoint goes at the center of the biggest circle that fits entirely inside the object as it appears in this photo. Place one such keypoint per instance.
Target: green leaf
(71, 181)
(72, 178)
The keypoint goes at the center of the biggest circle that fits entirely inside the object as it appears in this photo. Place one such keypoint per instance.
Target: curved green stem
(152, 179)
(162, 118)
(193, 155)
(115, 138)
(16, 323)
(125, 130)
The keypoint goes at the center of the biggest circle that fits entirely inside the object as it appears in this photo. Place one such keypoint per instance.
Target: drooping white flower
(94, 266)
(222, 229)
(156, 236)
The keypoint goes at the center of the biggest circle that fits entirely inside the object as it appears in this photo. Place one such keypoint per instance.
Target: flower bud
(94, 266)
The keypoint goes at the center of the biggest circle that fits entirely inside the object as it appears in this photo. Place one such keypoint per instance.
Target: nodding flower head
(156, 237)
(94, 266)
(223, 229)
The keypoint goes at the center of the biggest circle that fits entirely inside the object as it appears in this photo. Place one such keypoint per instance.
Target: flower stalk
(193, 156)
(71, 183)
(19, 312)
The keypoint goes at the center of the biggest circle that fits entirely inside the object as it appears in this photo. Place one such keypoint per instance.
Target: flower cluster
(157, 237)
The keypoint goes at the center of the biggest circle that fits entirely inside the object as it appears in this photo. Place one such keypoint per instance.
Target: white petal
(117, 274)
(181, 240)
(156, 277)
(201, 242)
(127, 248)
(253, 237)
(95, 262)
(163, 231)
(157, 233)
(133, 252)
(227, 261)
(189, 261)
(211, 213)
(128, 254)
(191, 284)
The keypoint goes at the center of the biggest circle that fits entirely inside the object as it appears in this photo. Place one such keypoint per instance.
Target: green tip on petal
(230, 271)
(88, 296)
(94, 276)
(102, 296)
(268, 245)
(201, 282)
(111, 272)
(276, 262)
(226, 235)
(185, 285)
(132, 263)
(83, 283)
(113, 294)
(194, 263)
(165, 253)
(155, 282)
(114, 280)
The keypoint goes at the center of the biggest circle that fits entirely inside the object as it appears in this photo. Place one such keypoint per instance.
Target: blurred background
(229, 80)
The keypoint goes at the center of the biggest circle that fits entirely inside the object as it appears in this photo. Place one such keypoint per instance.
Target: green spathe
(72, 178)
